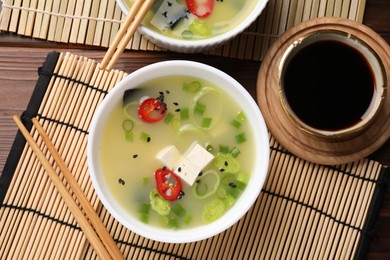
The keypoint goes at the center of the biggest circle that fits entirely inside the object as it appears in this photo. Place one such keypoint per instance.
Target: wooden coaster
(287, 133)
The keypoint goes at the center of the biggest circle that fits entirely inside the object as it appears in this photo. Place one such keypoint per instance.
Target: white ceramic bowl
(251, 110)
(194, 46)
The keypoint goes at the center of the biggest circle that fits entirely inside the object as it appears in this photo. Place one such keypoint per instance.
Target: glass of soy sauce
(332, 84)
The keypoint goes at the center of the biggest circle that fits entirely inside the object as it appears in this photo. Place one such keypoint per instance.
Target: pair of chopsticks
(133, 19)
(93, 229)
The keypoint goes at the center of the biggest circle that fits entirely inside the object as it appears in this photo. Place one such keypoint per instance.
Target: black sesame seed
(179, 169)
(197, 181)
(164, 168)
(177, 110)
(122, 182)
(181, 194)
(232, 185)
(175, 103)
(221, 169)
(226, 163)
(148, 139)
(167, 91)
(135, 156)
(200, 174)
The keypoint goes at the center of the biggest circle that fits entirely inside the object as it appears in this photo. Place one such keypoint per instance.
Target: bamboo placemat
(95, 22)
(304, 211)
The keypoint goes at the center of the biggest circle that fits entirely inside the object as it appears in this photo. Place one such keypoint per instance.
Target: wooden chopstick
(133, 19)
(100, 240)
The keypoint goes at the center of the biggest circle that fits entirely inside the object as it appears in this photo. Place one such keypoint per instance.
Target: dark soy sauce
(328, 85)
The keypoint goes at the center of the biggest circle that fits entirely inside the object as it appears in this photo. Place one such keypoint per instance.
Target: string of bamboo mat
(101, 240)
(302, 209)
(68, 71)
(96, 23)
(94, 218)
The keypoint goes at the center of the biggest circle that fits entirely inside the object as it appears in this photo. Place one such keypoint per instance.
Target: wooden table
(20, 58)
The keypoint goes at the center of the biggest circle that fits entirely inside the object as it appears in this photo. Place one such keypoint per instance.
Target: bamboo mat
(305, 210)
(95, 22)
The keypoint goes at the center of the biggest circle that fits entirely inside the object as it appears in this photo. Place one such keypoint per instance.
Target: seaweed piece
(169, 15)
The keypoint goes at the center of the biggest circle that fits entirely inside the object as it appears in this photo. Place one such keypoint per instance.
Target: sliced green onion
(227, 162)
(187, 34)
(145, 181)
(159, 204)
(234, 192)
(144, 218)
(235, 152)
(187, 218)
(209, 148)
(187, 128)
(199, 27)
(235, 123)
(243, 177)
(201, 189)
(206, 118)
(184, 114)
(145, 137)
(221, 193)
(240, 138)
(144, 212)
(173, 223)
(213, 210)
(164, 220)
(144, 208)
(199, 108)
(206, 122)
(168, 118)
(175, 124)
(228, 200)
(228, 178)
(128, 125)
(130, 109)
(206, 185)
(192, 87)
(129, 136)
(178, 210)
(241, 116)
(223, 148)
(239, 185)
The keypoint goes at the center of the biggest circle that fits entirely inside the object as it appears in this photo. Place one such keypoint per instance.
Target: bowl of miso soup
(195, 25)
(178, 151)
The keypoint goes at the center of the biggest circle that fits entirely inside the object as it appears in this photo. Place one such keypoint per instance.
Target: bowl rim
(241, 206)
(201, 43)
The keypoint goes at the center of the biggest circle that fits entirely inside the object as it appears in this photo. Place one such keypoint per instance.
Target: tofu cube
(187, 170)
(169, 156)
(187, 166)
(192, 163)
(198, 155)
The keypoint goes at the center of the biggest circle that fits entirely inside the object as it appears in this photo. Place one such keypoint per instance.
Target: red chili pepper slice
(168, 184)
(152, 110)
(200, 8)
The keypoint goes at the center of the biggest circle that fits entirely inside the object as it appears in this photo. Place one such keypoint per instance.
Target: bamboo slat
(301, 211)
(93, 22)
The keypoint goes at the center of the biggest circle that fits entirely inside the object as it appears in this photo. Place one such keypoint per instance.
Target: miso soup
(137, 147)
(175, 19)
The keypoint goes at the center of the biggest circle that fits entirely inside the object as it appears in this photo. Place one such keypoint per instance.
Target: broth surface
(129, 166)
